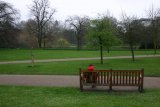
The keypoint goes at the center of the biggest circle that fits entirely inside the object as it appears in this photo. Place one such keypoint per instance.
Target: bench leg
(110, 88)
(140, 89)
(81, 85)
(93, 86)
(81, 88)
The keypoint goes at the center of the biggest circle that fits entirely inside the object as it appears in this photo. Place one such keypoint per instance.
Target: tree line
(105, 31)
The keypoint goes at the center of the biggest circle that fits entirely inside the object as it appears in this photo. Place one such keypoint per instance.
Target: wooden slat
(135, 77)
(123, 73)
(120, 77)
(126, 77)
(105, 78)
(101, 77)
(110, 80)
(139, 73)
(117, 77)
(132, 77)
(108, 77)
(98, 78)
(113, 77)
(129, 77)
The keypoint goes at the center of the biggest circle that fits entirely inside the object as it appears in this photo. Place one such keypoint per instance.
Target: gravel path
(76, 59)
(60, 81)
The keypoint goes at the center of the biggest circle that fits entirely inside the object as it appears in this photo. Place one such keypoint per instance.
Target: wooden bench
(112, 78)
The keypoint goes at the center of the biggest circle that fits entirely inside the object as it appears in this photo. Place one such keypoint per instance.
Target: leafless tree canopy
(153, 12)
(7, 11)
(8, 15)
(42, 14)
(79, 25)
(154, 15)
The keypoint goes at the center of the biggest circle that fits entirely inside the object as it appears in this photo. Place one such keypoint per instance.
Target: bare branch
(42, 14)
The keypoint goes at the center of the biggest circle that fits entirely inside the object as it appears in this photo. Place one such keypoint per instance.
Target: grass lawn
(15, 96)
(150, 65)
(25, 54)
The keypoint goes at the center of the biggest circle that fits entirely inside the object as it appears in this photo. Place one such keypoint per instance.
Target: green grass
(150, 65)
(25, 54)
(15, 96)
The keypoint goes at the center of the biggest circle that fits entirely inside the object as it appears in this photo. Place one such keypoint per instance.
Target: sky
(91, 8)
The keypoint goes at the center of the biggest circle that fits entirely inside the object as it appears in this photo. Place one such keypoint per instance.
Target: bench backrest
(126, 77)
(114, 77)
(102, 76)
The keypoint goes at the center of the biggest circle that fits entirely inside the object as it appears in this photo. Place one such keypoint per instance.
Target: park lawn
(25, 54)
(150, 65)
(22, 96)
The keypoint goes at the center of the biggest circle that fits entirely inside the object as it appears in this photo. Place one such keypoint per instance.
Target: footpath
(60, 81)
(76, 59)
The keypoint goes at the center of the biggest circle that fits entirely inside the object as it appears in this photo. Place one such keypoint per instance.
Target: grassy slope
(22, 54)
(12, 96)
(150, 65)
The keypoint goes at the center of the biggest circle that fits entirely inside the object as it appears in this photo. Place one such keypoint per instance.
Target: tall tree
(51, 32)
(42, 14)
(69, 35)
(79, 25)
(132, 30)
(146, 38)
(8, 31)
(153, 15)
(101, 34)
(27, 37)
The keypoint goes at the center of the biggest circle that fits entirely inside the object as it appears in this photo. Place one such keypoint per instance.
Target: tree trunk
(101, 49)
(44, 43)
(145, 45)
(132, 51)
(40, 42)
(155, 48)
(39, 39)
(78, 42)
(41, 35)
(108, 50)
(154, 37)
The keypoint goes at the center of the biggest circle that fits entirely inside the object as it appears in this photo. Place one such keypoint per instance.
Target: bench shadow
(114, 90)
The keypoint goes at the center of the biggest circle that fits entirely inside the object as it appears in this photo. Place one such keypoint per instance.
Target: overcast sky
(91, 8)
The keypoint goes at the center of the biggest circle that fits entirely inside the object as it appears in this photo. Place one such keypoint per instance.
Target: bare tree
(8, 31)
(42, 14)
(131, 30)
(27, 38)
(50, 32)
(153, 15)
(79, 25)
(29, 31)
